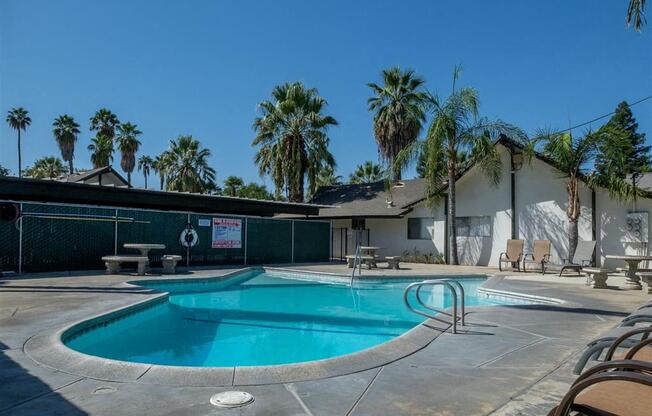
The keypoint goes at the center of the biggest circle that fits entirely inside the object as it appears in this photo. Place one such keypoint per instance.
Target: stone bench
(170, 263)
(597, 275)
(370, 261)
(393, 262)
(113, 263)
(646, 277)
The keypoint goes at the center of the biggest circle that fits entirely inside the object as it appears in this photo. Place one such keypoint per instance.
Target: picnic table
(144, 248)
(369, 255)
(633, 280)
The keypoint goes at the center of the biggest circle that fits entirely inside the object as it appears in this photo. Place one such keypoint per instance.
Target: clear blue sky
(200, 67)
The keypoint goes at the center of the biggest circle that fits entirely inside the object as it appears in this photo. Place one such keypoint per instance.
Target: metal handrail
(356, 259)
(462, 296)
(438, 282)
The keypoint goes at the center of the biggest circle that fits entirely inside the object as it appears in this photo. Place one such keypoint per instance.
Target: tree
(101, 149)
(18, 119)
(145, 164)
(400, 111)
(292, 135)
(159, 165)
(232, 185)
(636, 15)
(623, 150)
(366, 173)
(104, 122)
(128, 144)
(4, 171)
(65, 131)
(255, 191)
(186, 166)
(46, 168)
(456, 127)
(327, 177)
(422, 163)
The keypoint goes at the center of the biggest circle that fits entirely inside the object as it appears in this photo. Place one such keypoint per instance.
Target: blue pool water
(259, 318)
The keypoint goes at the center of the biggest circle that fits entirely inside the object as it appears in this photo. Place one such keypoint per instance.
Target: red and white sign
(227, 233)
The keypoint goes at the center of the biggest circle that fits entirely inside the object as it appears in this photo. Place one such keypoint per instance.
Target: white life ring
(188, 238)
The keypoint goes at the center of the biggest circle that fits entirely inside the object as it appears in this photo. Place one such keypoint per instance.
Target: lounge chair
(621, 387)
(540, 255)
(621, 337)
(513, 255)
(583, 257)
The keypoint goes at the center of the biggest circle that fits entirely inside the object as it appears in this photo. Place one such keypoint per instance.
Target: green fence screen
(59, 237)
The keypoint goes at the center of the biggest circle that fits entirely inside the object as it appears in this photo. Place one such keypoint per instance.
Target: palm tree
(65, 131)
(327, 177)
(456, 127)
(159, 165)
(18, 119)
(400, 111)
(4, 171)
(293, 138)
(128, 144)
(232, 185)
(636, 15)
(145, 163)
(366, 173)
(187, 168)
(104, 122)
(101, 148)
(46, 168)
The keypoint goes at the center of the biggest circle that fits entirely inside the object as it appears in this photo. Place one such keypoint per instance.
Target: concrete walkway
(510, 360)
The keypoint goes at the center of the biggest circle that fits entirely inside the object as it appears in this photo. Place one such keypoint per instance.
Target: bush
(415, 256)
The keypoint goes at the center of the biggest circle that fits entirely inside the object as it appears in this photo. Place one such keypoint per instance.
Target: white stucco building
(529, 203)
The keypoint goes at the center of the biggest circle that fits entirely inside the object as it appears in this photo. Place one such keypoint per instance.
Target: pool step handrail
(436, 282)
(357, 261)
(462, 294)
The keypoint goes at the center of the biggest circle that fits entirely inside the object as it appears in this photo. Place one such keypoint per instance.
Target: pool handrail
(462, 297)
(436, 282)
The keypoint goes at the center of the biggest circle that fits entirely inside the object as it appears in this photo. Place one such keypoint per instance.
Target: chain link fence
(52, 237)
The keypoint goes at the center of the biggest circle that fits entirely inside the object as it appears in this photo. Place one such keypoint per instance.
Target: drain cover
(232, 399)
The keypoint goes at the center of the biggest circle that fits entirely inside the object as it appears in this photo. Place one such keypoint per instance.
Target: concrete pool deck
(509, 360)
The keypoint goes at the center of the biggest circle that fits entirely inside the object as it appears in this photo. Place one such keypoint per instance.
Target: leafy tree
(104, 122)
(456, 127)
(46, 168)
(159, 165)
(186, 166)
(101, 149)
(145, 164)
(636, 15)
(232, 185)
(366, 173)
(292, 136)
(65, 131)
(4, 171)
(400, 111)
(327, 177)
(128, 144)
(18, 119)
(255, 191)
(623, 150)
(422, 162)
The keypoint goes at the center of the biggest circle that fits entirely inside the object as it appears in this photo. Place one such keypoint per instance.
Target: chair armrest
(645, 332)
(546, 258)
(528, 254)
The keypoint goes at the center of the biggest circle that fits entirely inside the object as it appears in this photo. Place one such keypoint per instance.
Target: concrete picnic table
(633, 280)
(371, 251)
(144, 248)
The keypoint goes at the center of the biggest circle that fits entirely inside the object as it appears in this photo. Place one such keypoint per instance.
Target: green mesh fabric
(311, 241)
(151, 227)
(9, 236)
(202, 253)
(269, 241)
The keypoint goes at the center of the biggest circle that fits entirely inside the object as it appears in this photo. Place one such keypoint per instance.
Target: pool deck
(509, 360)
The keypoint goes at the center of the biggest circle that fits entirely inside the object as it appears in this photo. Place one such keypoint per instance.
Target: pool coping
(47, 348)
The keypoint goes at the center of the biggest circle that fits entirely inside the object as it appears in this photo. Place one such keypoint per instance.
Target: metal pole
(330, 233)
(292, 242)
(246, 231)
(188, 248)
(20, 241)
(115, 234)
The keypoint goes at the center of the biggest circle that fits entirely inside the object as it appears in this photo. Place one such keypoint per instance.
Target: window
(473, 226)
(418, 228)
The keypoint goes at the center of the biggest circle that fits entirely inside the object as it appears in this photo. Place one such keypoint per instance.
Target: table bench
(170, 263)
(597, 275)
(113, 263)
(646, 277)
(370, 261)
(393, 262)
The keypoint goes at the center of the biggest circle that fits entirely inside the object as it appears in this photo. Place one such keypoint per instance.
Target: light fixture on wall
(517, 161)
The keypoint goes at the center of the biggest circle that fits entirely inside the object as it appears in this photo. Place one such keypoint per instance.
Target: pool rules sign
(227, 233)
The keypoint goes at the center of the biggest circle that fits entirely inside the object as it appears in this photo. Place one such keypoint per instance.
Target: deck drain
(232, 399)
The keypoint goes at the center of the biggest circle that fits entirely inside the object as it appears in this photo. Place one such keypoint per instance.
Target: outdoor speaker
(9, 212)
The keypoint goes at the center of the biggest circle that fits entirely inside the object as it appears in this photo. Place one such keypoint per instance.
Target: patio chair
(621, 387)
(540, 255)
(583, 257)
(513, 255)
(620, 337)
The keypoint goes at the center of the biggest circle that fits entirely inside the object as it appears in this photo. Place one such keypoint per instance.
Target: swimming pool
(260, 318)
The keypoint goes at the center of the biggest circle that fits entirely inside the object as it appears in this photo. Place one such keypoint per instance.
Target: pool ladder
(453, 286)
(357, 261)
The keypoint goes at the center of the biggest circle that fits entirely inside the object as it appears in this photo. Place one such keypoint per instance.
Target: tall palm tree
(145, 163)
(292, 133)
(128, 144)
(49, 167)
(366, 173)
(327, 177)
(636, 14)
(232, 185)
(104, 122)
(187, 168)
(456, 127)
(101, 149)
(18, 119)
(400, 111)
(4, 171)
(65, 131)
(159, 165)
